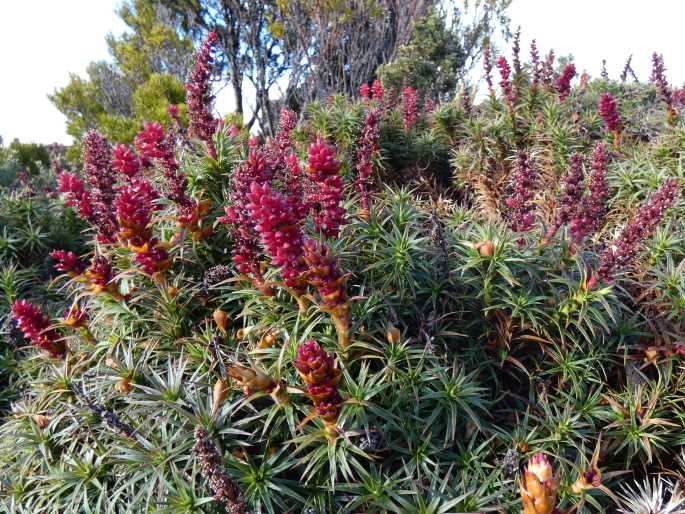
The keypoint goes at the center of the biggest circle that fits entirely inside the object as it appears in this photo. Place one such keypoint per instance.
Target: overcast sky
(42, 41)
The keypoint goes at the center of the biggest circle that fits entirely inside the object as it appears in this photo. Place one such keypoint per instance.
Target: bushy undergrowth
(390, 307)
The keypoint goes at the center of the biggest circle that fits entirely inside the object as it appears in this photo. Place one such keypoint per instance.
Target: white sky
(41, 41)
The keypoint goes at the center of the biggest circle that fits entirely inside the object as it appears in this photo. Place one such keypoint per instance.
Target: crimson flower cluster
(199, 95)
(286, 125)
(377, 92)
(644, 223)
(135, 205)
(97, 168)
(317, 370)
(563, 83)
(590, 216)
(125, 161)
(100, 275)
(571, 195)
(658, 77)
(279, 225)
(76, 195)
(36, 327)
(68, 262)
(609, 112)
(520, 202)
(547, 70)
(323, 170)
(364, 91)
(247, 253)
(505, 81)
(409, 107)
(154, 145)
(366, 150)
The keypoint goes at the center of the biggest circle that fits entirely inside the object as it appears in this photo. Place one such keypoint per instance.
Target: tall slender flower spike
(563, 83)
(323, 170)
(547, 70)
(97, 167)
(535, 64)
(539, 486)
(516, 51)
(68, 262)
(377, 92)
(592, 213)
(571, 196)
(505, 82)
(247, 253)
(284, 139)
(624, 249)
(364, 91)
(317, 370)
(520, 201)
(487, 68)
(125, 161)
(366, 151)
(609, 113)
(409, 107)
(324, 274)
(199, 96)
(134, 206)
(36, 327)
(659, 80)
(225, 490)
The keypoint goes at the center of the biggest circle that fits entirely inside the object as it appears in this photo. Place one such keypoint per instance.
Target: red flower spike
(199, 96)
(68, 262)
(125, 161)
(364, 91)
(592, 213)
(97, 167)
(377, 92)
(366, 151)
(563, 83)
(36, 327)
(520, 202)
(324, 274)
(624, 249)
(279, 225)
(323, 170)
(316, 368)
(609, 113)
(505, 82)
(571, 195)
(409, 107)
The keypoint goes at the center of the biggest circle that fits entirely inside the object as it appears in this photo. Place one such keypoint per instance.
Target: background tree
(443, 48)
(149, 65)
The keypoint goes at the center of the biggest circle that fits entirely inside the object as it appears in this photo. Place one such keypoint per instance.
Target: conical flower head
(36, 327)
(313, 363)
(68, 262)
(539, 486)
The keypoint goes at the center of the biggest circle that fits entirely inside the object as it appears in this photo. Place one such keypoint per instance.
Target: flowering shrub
(390, 306)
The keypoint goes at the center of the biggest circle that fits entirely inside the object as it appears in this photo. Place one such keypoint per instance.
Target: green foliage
(472, 347)
(429, 62)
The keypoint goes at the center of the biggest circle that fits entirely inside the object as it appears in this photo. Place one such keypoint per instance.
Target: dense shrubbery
(390, 307)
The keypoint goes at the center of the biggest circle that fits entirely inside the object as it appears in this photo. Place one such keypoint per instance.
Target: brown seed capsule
(221, 320)
(124, 386)
(267, 341)
(486, 248)
(219, 396)
(393, 334)
(241, 333)
(172, 291)
(40, 420)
